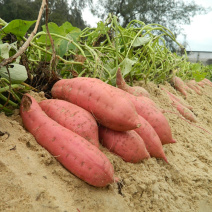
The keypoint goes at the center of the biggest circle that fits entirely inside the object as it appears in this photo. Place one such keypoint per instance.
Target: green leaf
(140, 41)
(53, 28)
(199, 76)
(17, 27)
(126, 66)
(66, 31)
(18, 73)
(67, 28)
(4, 50)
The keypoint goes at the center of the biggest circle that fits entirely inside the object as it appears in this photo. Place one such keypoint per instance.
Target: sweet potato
(185, 112)
(73, 118)
(155, 117)
(128, 145)
(173, 97)
(179, 85)
(201, 83)
(151, 139)
(188, 89)
(135, 90)
(75, 153)
(192, 84)
(207, 81)
(109, 106)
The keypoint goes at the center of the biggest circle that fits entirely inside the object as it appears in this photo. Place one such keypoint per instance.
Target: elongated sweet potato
(135, 90)
(109, 106)
(207, 81)
(128, 145)
(151, 139)
(192, 84)
(184, 111)
(155, 117)
(173, 97)
(179, 85)
(75, 153)
(201, 83)
(73, 118)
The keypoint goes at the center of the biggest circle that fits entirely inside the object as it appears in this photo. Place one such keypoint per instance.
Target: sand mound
(32, 180)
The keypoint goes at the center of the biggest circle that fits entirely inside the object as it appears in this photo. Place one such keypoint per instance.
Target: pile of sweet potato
(87, 112)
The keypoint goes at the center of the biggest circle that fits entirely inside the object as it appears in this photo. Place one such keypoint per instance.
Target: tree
(60, 11)
(170, 13)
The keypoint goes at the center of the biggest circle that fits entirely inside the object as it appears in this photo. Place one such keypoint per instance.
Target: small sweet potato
(74, 152)
(192, 84)
(128, 145)
(184, 111)
(108, 105)
(179, 85)
(73, 118)
(173, 97)
(151, 139)
(207, 81)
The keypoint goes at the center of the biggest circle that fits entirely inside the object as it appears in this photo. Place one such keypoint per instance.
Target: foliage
(139, 49)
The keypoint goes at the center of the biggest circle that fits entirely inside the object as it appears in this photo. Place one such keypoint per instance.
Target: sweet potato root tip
(26, 102)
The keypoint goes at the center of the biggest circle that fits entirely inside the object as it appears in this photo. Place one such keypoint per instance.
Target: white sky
(198, 33)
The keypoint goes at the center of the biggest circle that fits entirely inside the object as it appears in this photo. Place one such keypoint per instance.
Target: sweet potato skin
(75, 153)
(108, 105)
(179, 85)
(128, 145)
(207, 81)
(175, 98)
(73, 118)
(184, 111)
(151, 139)
(155, 117)
(194, 86)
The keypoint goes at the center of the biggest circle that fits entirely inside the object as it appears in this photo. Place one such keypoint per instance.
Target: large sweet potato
(73, 118)
(151, 139)
(75, 153)
(128, 145)
(109, 106)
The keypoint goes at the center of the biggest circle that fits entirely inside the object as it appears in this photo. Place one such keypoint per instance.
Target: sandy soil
(32, 180)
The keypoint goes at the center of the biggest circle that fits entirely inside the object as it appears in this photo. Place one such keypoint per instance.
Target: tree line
(169, 13)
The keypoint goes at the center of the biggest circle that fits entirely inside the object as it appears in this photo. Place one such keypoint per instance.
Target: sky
(198, 34)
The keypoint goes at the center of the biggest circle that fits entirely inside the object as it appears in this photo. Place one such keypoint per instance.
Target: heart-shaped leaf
(18, 73)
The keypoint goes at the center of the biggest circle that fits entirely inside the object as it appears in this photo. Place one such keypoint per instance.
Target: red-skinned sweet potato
(173, 97)
(128, 145)
(192, 84)
(151, 139)
(109, 106)
(179, 85)
(207, 81)
(135, 90)
(75, 153)
(155, 117)
(73, 118)
(184, 111)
